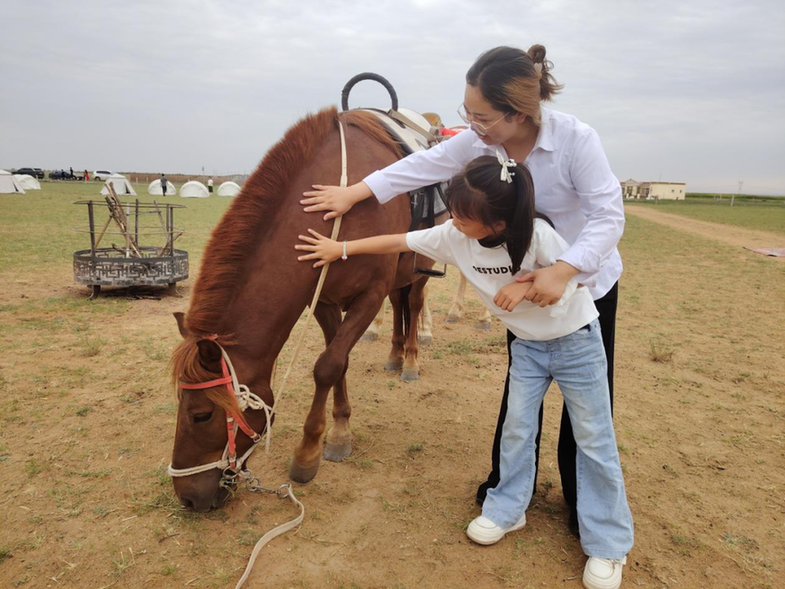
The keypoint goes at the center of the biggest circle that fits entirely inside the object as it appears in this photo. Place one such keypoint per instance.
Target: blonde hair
(513, 80)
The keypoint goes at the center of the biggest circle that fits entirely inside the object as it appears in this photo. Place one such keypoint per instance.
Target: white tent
(156, 190)
(9, 184)
(194, 189)
(27, 182)
(120, 183)
(229, 189)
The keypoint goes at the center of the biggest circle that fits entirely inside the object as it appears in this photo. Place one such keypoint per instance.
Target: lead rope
(283, 528)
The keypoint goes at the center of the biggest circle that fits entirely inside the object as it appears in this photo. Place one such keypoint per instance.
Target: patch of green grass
(91, 474)
(660, 352)
(686, 544)
(82, 411)
(413, 448)
(5, 552)
(32, 467)
(91, 346)
(763, 216)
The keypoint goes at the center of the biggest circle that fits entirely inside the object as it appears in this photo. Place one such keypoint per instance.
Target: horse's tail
(406, 311)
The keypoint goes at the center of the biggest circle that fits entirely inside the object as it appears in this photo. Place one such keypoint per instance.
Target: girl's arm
(421, 168)
(326, 250)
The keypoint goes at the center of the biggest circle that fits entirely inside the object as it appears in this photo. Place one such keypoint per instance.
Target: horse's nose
(195, 503)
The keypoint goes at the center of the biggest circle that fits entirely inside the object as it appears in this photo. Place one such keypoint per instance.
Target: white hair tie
(506, 175)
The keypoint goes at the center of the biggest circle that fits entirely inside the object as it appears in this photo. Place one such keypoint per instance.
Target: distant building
(653, 190)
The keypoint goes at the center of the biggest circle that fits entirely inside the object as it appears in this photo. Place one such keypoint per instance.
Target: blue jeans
(577, 363)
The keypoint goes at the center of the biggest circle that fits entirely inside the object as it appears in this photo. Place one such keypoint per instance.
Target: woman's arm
(600, 201)
(326, 250)
(421, 168)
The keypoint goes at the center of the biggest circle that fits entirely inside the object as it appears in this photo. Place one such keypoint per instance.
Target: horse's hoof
(302, 474)
(369, 336)
(410, 374)
(394, 364)
(453, 318)
(425, 340)
(483, 325)
(337, 452)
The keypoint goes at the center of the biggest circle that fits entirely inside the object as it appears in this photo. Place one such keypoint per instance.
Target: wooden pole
(92, 227)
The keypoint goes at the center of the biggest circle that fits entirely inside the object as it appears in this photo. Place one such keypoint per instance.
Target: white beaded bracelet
(344, 257)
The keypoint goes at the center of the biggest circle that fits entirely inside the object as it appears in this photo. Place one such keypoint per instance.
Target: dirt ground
(738, 236)
(87, 420)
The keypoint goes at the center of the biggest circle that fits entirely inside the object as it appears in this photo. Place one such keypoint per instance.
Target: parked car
(62, 175)
(102, 174)
(34, 172)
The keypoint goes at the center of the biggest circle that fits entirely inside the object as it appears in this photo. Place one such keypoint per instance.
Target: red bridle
(233, 420)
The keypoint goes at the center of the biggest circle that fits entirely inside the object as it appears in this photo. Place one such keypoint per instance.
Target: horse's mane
(227, 250)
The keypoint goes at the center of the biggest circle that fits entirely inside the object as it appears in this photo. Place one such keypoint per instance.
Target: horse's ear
(209, 355)
(180, 318)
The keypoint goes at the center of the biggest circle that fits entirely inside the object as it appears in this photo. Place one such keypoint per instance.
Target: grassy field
(87, 421)
(763, 215)
(38, 227)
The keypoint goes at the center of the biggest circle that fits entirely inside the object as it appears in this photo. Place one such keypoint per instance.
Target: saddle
(413, 133)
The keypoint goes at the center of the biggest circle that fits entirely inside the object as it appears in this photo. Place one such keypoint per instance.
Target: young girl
(492, 237)
(503, 103)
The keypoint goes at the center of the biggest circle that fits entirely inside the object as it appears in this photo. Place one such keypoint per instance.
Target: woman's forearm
(360, 192)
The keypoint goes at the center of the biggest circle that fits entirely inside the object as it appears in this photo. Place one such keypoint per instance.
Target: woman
(574, 185)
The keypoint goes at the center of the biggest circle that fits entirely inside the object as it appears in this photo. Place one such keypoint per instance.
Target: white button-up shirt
(573, 183)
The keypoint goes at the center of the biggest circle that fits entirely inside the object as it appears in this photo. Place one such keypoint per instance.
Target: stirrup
(428, 271)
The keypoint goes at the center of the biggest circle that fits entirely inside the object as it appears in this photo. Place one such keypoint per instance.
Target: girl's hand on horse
(324, 249)
(510, 295)
(337, 200)
(548, 284)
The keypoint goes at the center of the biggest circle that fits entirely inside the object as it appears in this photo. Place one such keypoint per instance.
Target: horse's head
(201, 435)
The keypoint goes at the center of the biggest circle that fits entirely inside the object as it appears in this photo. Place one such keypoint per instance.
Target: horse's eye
(202, 417)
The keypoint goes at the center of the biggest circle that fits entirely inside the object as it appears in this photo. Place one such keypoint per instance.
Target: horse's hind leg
(454, 314)
(424, 333)
(411, 368)
(395, 359)
(329, 371)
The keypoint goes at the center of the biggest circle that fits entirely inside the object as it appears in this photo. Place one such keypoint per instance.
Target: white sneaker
(485, 532)
(602, 573)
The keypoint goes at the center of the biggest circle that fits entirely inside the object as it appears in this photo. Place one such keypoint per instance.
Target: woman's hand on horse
(548, 284)
(337, 200)
(324, 249)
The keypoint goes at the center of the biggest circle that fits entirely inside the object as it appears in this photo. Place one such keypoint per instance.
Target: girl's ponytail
(520, 226)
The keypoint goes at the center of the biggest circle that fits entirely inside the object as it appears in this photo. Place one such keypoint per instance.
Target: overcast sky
(680, 91)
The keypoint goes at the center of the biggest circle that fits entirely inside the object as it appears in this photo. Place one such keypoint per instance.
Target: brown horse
(251, 291)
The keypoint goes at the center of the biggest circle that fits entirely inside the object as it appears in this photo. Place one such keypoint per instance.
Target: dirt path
(728, 234)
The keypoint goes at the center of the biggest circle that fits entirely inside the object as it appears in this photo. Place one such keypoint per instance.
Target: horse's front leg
(338, 444)
(330, 371)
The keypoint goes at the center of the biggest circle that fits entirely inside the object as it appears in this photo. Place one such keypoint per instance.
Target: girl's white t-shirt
(489, 269)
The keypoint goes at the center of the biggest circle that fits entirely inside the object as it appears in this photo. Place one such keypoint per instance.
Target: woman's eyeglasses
(466, 118)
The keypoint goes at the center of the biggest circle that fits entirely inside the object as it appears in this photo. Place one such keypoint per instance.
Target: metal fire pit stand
(129, 263)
